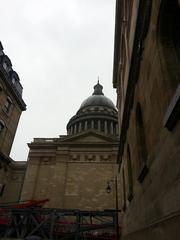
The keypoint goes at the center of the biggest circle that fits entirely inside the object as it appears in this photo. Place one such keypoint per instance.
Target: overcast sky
(58, 48)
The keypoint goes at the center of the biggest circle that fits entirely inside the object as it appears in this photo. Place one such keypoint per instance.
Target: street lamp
(108, 190)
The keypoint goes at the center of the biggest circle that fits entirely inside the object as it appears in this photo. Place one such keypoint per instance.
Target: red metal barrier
(49, 222)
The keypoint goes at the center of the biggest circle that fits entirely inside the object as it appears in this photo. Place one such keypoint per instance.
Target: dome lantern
(98, 89)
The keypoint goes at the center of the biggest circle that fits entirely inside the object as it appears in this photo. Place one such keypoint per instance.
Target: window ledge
(173, 111)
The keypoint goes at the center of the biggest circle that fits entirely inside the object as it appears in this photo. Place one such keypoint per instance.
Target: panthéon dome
(96, 113)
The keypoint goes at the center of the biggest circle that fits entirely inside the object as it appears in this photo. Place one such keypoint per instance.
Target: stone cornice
(71, 145)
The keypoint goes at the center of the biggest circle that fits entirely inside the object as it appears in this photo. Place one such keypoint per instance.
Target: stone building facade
(146, 75)
(11, 106)
(77, 170)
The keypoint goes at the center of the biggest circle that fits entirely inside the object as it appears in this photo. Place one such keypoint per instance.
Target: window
(176, 28)
(169, 36)
(13, 80)
(141, 145)
(130, 177)
(1, 126)
(2, 187)
(5, 66)
(169, 29)
(173, 111)
(7, 104)
(124, 190)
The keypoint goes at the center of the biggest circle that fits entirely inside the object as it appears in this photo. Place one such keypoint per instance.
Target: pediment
(89, 137)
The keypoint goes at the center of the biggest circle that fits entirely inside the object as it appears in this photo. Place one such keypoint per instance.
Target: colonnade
(109, 127)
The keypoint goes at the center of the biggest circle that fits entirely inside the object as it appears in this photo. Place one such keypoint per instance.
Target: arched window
(141, 145)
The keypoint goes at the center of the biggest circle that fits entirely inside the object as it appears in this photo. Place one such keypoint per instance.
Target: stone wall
(71, 176)
(149, 171)
(10, 118)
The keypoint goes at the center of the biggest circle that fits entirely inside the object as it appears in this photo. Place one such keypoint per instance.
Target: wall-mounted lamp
(109, 186)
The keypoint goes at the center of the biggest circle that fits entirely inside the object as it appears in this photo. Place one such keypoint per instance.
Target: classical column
(105, 127)
(85, 126)
(75, 128)
(92, 124)
(80, 127)
(71, 130)
(111, 128)
(117, 130)
(99, 125)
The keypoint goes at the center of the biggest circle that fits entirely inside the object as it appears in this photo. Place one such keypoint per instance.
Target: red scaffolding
(29, 218)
